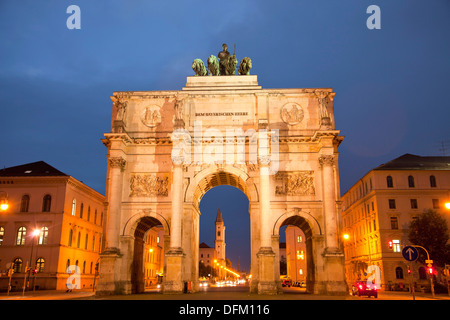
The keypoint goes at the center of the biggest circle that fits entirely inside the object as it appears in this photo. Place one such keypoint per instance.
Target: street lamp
(4, 205)
(34, 234)
(447, 205)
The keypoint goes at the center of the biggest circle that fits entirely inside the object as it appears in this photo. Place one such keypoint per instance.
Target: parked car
(300, 284)
(362, 288)
(286, 283)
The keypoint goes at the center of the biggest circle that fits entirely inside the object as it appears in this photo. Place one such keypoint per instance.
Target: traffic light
(430, 270)
(390, 244)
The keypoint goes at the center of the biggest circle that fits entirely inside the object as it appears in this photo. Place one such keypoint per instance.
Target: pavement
(223, 294)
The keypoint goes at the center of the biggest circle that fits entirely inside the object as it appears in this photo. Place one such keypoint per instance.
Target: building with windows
(377, 211)
(154, 256)
(53, 221)
(295, 254)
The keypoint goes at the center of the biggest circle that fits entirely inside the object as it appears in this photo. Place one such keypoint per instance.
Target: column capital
(326, 160)
(117, 162)
(264, 160)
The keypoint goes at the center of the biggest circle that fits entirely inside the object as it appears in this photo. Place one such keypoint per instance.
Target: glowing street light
(346, 236)
(4, 205)
(447, 205)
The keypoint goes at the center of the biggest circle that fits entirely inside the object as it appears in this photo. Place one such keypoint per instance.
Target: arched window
(17, 265)
(411, 181)
(70, 237)
(67, 264)
(40, 264)
(21, 233)
(433, 181)
(399, 273)
(46, 203)
(389, 182)
(74, 206)
(24, 203)
(78, 239)
(86, 241)
(43, 236)
(95, 216)
(89, 213)
(81, 210)
(422, 273)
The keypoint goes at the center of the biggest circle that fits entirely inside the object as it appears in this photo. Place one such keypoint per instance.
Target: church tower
(219, 243)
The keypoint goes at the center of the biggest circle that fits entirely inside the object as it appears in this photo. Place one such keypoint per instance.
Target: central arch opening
(224, 233)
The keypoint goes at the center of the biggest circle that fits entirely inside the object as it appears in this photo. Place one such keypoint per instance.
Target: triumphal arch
(166, 149)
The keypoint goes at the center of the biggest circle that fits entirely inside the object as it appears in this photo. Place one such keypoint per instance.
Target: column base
(267, 283)
(108, 283)
(335, 270)
(173, 283)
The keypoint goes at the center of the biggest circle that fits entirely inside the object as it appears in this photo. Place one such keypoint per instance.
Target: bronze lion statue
(245, 66)
(199, 67)
(232, 64)
(213, 66)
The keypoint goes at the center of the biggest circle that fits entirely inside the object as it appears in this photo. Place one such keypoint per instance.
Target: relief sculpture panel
(149, 184)
(299, 183)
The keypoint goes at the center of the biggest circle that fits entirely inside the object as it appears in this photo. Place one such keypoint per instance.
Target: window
(78, 239)
(389, 182)
(40, 263)
(89, 214)
(435, 203)
(299, 239)
(399, 273)
(413, 203)
(70, 237)
(24, 203)
(394, 223)
(422, 273)
(21, 233)
(81, 210)
(411, 181)
(46, 203)
(74, 206)
(433, 181)
(391, 203)
(2, 234)
(396, 246)
(17, 265)
(86, 241)
(95, 216)
(43, 236)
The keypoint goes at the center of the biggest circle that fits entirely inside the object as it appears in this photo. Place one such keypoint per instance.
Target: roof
(414, 162)
(34, 169)
(219, 216)
(204, 245)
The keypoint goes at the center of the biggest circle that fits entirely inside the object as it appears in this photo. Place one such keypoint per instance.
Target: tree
(430, 231)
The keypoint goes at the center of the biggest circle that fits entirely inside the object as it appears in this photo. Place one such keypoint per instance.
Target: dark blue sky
(55, 83)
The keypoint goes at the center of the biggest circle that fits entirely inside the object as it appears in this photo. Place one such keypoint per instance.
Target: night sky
(55, 83)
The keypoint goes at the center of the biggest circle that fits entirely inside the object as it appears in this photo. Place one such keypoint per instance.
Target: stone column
(174, 257)
(109, 280)
(329, 199)
(266, 256)
(116, 164)
(333, 280)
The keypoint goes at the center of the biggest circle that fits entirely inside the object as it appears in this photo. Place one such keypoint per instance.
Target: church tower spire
(219, 243)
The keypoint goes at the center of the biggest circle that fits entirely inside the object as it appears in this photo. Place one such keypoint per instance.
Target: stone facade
(166, 149)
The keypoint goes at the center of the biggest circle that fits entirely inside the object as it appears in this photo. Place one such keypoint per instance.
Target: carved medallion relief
(151, 116)
(292, 113)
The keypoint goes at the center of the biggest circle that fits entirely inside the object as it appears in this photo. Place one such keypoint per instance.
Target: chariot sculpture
(223, 65)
